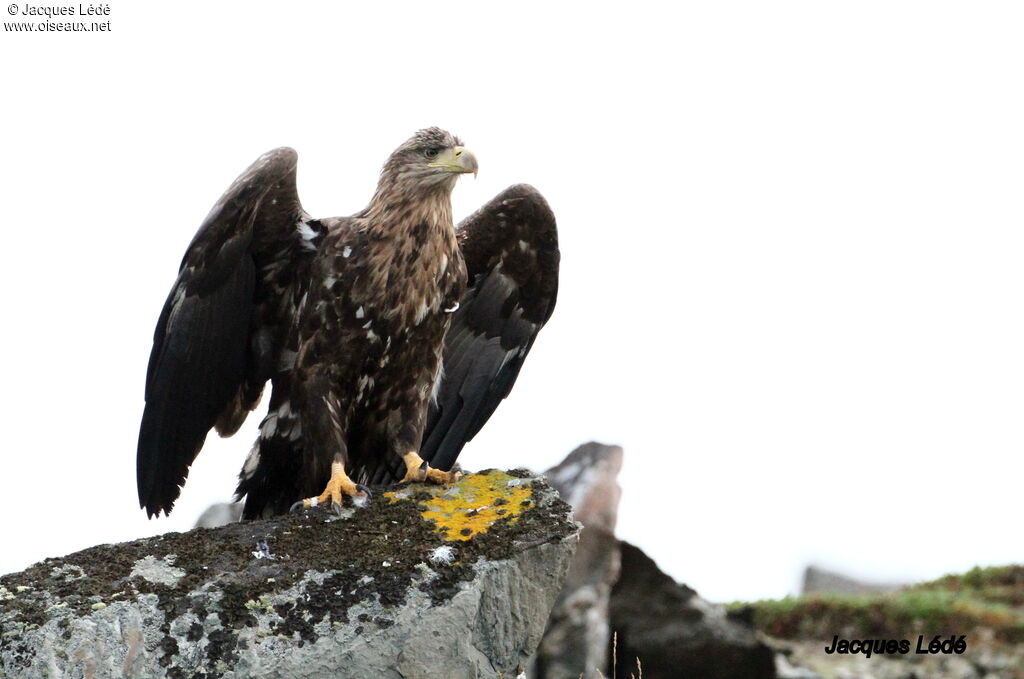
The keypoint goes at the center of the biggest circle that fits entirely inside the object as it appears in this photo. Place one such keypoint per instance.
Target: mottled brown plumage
(372, 332)
(349, 318)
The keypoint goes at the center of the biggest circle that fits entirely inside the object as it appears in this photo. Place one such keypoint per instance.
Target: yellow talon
(417, 469)
(337, 488)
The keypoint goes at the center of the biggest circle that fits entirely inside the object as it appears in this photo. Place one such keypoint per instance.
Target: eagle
(389, 337)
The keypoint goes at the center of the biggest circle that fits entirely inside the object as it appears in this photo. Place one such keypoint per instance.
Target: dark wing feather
(511, 251)
(216, 341)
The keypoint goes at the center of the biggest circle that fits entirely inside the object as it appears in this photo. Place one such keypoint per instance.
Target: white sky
(791, 234)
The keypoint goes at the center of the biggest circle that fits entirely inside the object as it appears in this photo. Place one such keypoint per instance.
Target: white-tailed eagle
(389, 337)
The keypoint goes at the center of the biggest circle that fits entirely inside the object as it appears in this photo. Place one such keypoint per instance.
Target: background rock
(381, 592)
(576, 640)
(613, 586)
(675, 633)
(819, 580)
(219, 514)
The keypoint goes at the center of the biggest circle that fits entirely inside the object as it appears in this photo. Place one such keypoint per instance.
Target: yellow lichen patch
(473, 505)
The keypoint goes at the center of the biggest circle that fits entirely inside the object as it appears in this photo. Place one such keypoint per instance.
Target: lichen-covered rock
(426, 582)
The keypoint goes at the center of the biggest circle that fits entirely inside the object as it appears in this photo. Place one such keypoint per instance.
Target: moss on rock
(293, 578)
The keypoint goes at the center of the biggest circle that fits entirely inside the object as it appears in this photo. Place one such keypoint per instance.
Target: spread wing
(511, 251)
(219, 336)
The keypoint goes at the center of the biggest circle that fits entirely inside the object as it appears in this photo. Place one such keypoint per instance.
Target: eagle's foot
(337, 488)
(417, 469)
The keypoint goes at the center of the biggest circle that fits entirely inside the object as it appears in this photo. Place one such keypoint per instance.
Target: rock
(674, 633)
(588, 480)
(807, 660)
(786, 670)
(819, 580)
(220, 514)
(576, 640)
(425, 582)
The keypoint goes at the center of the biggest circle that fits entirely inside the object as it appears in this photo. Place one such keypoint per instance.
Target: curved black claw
(365, 489)
(296, 507)
(336, 508)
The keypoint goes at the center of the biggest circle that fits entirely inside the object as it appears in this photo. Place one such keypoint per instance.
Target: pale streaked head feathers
(430, 161)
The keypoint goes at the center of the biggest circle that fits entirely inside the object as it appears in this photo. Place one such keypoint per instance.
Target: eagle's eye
(432, 152)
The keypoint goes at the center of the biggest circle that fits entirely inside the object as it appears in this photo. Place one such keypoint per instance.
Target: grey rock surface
(578, 635)
(675, 633)
(426, 582)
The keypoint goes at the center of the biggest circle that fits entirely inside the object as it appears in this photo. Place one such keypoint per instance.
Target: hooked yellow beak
(458, 159)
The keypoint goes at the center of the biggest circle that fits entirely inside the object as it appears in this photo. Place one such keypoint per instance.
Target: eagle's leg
(326, 432)
(417, 469)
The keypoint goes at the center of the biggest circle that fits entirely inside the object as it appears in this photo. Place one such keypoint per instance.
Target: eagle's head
(429, 162)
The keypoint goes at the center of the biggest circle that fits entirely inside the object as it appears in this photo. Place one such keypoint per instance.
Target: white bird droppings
(443, 555)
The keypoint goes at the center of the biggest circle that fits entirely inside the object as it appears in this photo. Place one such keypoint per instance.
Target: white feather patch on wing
(437, 383)
(509, 355)
(269, 426)
(308, 235)
(252, 461)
